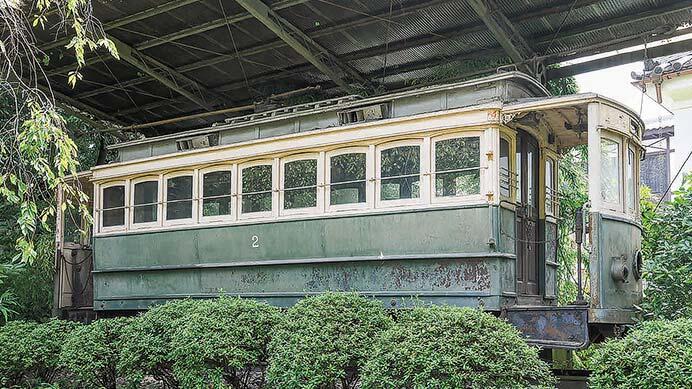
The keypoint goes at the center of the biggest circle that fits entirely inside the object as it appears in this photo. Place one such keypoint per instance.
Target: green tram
(443, 194)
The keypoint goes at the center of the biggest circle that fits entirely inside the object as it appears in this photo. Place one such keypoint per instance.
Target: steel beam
(147, 13)
(504, 32)
(313, 52)
(166, 75)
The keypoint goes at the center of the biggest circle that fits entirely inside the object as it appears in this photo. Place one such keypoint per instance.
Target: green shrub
(324, 340)
(29, 351)
(146, 344)
(448, 347)
(654, 354)
(668, 248)
(11, 354)
(90, 353)
(222, 342)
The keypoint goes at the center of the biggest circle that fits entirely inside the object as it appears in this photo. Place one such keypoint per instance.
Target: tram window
(631, 187)
(550, 194)
(610, 171)
(457, 167)
(216, 193)
(300, 184)
(256, 189)
(179, 198)
(146, 202)
(347, 179)
(113, 206)
(505, 174)
(400, 173)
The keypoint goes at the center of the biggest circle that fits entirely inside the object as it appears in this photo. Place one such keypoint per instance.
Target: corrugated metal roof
(229, 53)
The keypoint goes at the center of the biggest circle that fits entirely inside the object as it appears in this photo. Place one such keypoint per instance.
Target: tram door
(527, 162)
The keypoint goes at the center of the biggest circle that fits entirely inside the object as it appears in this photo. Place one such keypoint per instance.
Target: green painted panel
(428, 278)
(616, 239)
(459, 230)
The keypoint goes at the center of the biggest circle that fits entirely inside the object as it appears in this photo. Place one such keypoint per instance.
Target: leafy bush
(654, 354)
(91, 352)
(449, 347)
(221, 342)
(146, 344)
(668, 269)
(28, 351)
(324, 340)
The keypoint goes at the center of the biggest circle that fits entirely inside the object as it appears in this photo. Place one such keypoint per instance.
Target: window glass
(631, 189)
(504, 168)
(347, 179)
(256, 189)
(114, 206)
(550, 195)
(531, 179)
(300, 184)
(216, 193)
(145, 201)
(610, 170)
(400, 173)
(457, 167)
(179, 198)
(519, 168)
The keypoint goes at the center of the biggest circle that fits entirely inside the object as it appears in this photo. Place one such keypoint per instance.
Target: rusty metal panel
(553, 327)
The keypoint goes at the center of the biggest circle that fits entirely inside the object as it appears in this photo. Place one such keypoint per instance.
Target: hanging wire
(673, 180)
(386, 43)
(235, 48)
(559, 28)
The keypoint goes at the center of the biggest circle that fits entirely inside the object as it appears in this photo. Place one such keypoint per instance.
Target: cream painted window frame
(552, 211)
(618, 207)
(319, 184)
(369, 170)
(633, 212)
(472, 198)
(159, 199)
(102, 187)
(511, 166)
(274, 190)
(176, 222)
(424, 156)
(233, 168)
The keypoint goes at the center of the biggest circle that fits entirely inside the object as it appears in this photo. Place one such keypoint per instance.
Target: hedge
(449, 347)
(91, 353)
(325, 340)
(654, 354)
(223, 343)
(29, 351)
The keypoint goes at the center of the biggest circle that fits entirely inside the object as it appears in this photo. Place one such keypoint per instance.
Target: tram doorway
(527, 163)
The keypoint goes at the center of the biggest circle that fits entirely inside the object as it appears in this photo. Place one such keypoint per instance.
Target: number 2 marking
(255, 241)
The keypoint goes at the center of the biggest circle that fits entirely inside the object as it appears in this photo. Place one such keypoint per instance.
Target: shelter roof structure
(189, 63)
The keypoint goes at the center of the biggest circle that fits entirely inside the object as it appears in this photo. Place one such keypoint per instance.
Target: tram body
(445, 195)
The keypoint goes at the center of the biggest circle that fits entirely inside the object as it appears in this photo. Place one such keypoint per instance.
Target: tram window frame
(471, 197)
(193, 197)
(367, 180)
(233, 169)
(550, 200)
(617, 206)
(144, 225)
(273, 190)
(319, 181)
(102, 188)
(632, 169)
(423, 155)
(511, 169)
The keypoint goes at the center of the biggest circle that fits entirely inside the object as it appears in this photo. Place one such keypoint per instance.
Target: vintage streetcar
(445, 195)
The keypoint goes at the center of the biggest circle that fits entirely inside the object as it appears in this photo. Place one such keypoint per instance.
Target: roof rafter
(458, 31)
(318, 56)
(166, 75)
(147, 13)
(504, 32)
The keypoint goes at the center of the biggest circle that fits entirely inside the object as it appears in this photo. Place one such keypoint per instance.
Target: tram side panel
(435, 255)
